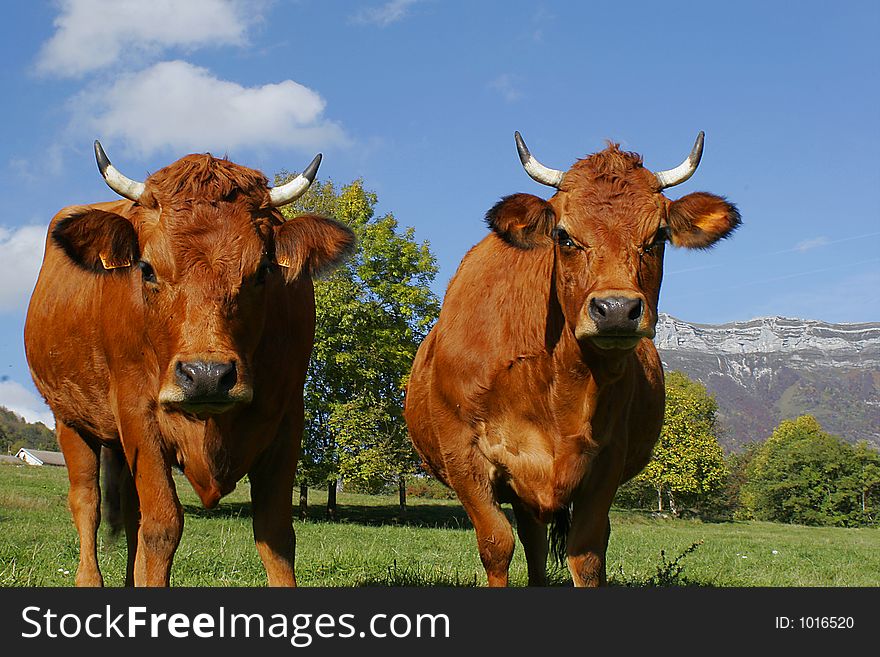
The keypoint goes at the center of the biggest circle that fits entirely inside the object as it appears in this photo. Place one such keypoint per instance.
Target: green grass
(433, 545)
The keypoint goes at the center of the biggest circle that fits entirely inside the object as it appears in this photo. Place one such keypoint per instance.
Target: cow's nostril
(636, 311)
(185, 374)
(229, 378)
(598, 308)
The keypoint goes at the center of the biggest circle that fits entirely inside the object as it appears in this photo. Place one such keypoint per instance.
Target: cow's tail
(113, 470)
(559, 526)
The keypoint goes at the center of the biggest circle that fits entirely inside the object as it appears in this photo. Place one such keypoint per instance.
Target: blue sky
(421, 98)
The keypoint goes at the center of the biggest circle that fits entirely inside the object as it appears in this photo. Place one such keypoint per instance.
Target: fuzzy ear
(312, 244)
(698, 220)
(523, 220)
(96, 240)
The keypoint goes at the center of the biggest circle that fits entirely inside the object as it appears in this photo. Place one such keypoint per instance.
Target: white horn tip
(686, 169)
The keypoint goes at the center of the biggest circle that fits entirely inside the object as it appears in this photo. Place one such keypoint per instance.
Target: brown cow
(539, 385)
(175, 327)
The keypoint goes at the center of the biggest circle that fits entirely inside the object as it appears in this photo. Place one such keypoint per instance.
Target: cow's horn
(126, 187)
(537, 171)
(290, 191)
(684, 170)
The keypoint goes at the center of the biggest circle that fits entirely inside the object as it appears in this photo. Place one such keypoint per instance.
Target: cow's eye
(147, 272)
(564, 239)
(660, 237)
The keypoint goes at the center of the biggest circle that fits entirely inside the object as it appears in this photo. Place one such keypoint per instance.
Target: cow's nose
(205, 380)
(620, 315)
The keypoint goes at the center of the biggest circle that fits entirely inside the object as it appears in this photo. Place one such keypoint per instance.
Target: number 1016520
(815, 622)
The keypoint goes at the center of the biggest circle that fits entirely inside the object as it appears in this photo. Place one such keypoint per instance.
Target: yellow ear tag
(113, 264)
(283, 261)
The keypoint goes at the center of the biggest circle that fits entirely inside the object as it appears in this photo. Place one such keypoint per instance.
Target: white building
(40, 457)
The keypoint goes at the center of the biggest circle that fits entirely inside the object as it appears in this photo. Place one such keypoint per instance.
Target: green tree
(16, 432)
(687, 467)
(738, 467)
(372, 314)
(803, 475)
(867, 481)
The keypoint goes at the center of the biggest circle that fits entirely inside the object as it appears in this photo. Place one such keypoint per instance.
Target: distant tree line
(16, 432)
(800, 474)
(803, 475)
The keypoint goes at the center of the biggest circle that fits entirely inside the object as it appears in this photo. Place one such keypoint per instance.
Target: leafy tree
(803, 475)
(15, 433)
(372, 314)
(687, 466)
(737, 468)
(867, 480)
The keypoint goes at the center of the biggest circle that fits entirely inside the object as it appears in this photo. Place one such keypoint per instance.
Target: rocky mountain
(773, 368)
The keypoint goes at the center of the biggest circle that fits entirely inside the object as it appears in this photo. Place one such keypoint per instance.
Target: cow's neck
(589, 388)
(582, 371)
(199, 450)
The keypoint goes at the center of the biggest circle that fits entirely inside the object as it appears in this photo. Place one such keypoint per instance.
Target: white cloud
(386, 14)
(542, 22)
(813, 243)
(21, 252)
(508, 86)
(94, 34)
(180, 107)
(22, 401)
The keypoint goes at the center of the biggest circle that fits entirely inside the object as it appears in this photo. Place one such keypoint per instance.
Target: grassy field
(432, 546)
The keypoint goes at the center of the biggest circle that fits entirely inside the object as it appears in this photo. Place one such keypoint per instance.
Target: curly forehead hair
(208, 178)
(613, 170)
(609, 163)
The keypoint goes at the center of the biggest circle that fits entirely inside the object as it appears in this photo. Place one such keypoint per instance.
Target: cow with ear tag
(173, 327)
(539, 385)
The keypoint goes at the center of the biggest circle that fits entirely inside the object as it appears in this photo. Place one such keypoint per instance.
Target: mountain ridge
(768, 369)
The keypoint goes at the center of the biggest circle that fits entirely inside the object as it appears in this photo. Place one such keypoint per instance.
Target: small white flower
(744, 557)
(67, 572)
(61, 570)
(775, 551)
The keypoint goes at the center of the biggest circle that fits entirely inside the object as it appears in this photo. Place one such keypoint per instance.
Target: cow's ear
(698, 220)
(312, 244)
(523, 220)
(96, 240)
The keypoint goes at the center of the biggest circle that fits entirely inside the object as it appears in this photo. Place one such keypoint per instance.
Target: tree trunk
(331, 499)
(303, 501)
(401, 490)
(659, 500)
(672, 508)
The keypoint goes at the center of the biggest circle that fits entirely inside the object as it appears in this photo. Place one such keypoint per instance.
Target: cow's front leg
(84, 497)
(161, 525)
(587, 542)
(271, 482)
(494, 532)
(161, 515)
(494, 538)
